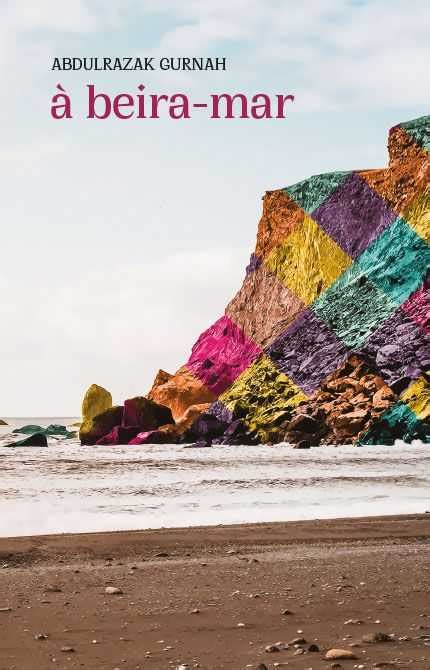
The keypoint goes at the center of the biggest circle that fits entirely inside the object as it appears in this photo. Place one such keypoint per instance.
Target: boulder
(303, 444)
(162, 377)
(264, 399)
(349, 401)
(145, 413)
(94, 429)
(206, 427)
(190, 415)
(3, 422)
(53, 430)
(236, 433)
(163, 435)
(180, 391)
(96, 401)
(398, 423)
(119, 435)
(304, 423)
(35, 440)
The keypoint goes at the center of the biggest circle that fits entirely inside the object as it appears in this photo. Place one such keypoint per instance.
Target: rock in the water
(145, 413)
(97, 400)
(206, 427)
(119, 435)
(303, 444)
(163, 435)
(189, 416)
(100, 425)
(180, 391)
(35, 440)
(3, 422)
(53, 430)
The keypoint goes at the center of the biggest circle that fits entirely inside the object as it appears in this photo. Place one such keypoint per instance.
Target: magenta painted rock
(418, 306)
(153, 437)
(119, 435)
(145, 413)
(220, 355)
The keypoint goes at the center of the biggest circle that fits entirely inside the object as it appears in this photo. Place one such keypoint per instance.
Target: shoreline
(127, 543)
(220, 597)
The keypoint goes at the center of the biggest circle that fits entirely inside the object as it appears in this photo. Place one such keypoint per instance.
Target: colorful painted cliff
(328, 339)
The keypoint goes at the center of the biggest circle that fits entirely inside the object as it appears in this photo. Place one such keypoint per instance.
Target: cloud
(339, 53)
(116, 326)
(26, 159)
(66, 17)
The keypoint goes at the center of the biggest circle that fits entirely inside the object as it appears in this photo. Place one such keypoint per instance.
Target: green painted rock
(35, 440)
(53, 430)
(398, 423)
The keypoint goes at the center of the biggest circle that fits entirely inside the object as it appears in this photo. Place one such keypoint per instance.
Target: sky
(122, 241)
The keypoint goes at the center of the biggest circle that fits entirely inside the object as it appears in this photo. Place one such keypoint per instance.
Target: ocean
(68, 488)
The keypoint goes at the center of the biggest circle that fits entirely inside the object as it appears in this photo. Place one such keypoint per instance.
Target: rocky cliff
(327, 340)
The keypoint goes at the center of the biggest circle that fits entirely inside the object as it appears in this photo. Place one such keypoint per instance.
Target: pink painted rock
(119, 435)
(164, 435)
(220, 355)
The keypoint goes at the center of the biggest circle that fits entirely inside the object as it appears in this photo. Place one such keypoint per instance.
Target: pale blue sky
(121, 241)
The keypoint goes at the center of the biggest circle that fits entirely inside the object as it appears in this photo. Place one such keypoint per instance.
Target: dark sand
(240, 579)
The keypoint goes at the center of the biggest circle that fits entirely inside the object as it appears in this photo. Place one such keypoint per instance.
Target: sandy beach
(220, 597)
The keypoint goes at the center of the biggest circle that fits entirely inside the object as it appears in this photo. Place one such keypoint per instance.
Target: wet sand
(216, 597)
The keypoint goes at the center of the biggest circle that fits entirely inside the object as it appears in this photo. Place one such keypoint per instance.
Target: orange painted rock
(181, 391)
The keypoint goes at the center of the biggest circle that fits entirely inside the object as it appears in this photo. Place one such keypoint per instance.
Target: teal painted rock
(53, 430)
(419, 129)
(398, 423)
(310, 193)
(397, 262)
(35, 440)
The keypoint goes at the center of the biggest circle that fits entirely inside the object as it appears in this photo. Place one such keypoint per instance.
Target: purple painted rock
(206, 427)
(236, 433)
(354, 215)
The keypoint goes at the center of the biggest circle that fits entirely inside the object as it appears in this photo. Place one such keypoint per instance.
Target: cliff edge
(327, 340)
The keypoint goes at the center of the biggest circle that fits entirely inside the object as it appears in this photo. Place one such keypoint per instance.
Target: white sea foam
(69, 488)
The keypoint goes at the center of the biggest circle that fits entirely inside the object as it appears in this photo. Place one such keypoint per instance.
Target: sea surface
(68, 488)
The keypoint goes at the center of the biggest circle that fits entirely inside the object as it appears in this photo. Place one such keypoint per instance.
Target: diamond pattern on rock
(220, 355)
(400, 349)
(308, 351)
(310, 193)
(262, 397)
(397, 262)
(354, 215)
(418, 215)
(353, 307)
(308, 261)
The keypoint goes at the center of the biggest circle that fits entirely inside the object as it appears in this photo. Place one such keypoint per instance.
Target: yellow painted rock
(96, 401)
